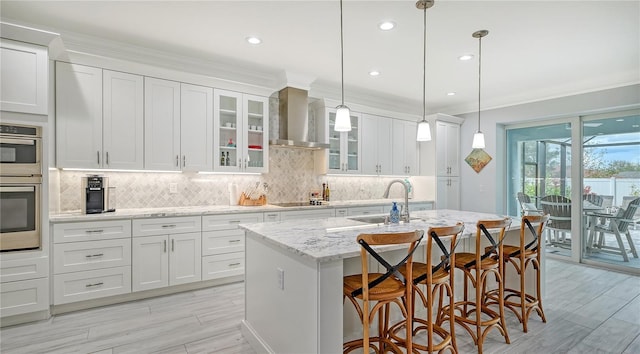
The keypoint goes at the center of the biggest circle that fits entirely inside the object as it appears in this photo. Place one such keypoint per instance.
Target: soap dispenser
(394, 214)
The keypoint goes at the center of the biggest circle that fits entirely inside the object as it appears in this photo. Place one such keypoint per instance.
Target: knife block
(246, 201)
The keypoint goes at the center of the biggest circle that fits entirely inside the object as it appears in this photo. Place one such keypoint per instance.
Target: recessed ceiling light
(387, 25)
(620, 120)
(254, 40)
(465, 57)
(635, 126)
(451, 93)
(374, 73)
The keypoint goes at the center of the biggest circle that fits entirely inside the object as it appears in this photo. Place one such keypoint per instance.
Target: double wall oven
(20, 187)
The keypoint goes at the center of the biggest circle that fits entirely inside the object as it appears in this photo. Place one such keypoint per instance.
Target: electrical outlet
(173, 188)
(280, 278)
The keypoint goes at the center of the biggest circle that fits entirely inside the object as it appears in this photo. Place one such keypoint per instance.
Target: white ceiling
(535, 49)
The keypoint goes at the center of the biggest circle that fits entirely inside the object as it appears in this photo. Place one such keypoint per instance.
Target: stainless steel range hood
(294, 120)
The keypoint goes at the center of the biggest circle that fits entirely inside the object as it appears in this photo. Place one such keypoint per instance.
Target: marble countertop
(325, 240)
(210, 210)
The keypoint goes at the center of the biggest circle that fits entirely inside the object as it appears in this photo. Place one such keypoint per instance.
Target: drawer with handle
(81, 256)
(225, 241)
(91, 230)
(92, 284)
(223, 265)
(164, 226)
(229, 221)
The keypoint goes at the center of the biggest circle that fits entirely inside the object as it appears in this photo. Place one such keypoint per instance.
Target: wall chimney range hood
(294, 120)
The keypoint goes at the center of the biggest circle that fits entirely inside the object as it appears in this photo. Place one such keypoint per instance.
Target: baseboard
(254, 339)
(20, 319)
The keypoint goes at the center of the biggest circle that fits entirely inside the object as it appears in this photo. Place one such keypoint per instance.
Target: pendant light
(478, 137)
(424, 130)
(343, 115)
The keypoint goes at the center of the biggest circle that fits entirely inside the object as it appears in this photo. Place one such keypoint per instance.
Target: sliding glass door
(539, 167)
(611, 183)
(592, 199)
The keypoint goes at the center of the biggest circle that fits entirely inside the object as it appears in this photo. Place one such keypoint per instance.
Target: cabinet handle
(165, 245)
(234, 222)
(94, 231)
(94, 284)
(170, 226)
(234, 264)
(177, 161)
(184, 160)
(94, 255)
(98, 154)
(107, 159)
(234, 241)
(271, 215)
(173, 245)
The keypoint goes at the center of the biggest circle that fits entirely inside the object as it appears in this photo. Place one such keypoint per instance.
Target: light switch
(173, 188)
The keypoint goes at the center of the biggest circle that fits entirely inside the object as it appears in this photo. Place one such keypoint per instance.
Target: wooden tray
(245, 201)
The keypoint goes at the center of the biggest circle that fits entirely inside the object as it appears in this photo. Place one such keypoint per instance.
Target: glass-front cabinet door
(344, 147)
(256, 133)
(241, 132)
(228, 130)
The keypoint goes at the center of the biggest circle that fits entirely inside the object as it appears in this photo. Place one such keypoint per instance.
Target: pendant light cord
(341, 54)
(424, 68)
(479, 76)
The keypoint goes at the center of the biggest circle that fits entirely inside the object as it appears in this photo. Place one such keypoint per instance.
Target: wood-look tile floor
(588, 310)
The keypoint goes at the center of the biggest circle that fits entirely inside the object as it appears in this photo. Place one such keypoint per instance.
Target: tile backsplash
(291, 177)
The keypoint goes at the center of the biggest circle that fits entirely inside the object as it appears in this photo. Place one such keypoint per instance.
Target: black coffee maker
(96, 194)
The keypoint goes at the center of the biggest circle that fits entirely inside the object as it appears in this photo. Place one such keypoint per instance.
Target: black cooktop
(293, 204)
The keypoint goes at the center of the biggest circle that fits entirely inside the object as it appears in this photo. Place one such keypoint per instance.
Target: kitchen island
(294, 271)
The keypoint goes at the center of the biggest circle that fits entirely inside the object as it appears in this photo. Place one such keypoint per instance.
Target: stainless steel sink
(373, 219)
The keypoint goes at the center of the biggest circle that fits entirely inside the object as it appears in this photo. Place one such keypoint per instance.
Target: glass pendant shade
(424, 131)
(478, 140)
(343, 119)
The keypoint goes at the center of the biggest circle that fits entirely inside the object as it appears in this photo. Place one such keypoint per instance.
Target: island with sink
(294, 272)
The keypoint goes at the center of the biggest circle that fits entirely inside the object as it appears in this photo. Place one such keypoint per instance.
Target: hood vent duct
(294, 120)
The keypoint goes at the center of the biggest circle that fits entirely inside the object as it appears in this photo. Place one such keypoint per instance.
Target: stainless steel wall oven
(20, 187)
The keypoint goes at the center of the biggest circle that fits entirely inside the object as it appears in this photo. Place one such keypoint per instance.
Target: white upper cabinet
(447, 149)
(405, 147)
(123, 120)
(78, 116)
(161, 124)
(24, 74)
(196, 128)
(99, 118)
(241, 126)
(344, 147)
(376, 145)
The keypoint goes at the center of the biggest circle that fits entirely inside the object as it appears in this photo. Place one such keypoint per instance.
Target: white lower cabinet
(320, 213)
(223, 265)
(165, 260)
(223, 244)
(25, 296)
(91, 260)
(165, 252)
(92, 284)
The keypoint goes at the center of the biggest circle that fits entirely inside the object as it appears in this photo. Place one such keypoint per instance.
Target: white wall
(484, 191)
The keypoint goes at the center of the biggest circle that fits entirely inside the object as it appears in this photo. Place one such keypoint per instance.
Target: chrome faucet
(404, 214)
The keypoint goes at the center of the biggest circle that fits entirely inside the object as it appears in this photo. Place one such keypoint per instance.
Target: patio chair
(559, 210)
(594, 199)
(619, 224)
(625, 203)
(527, 207)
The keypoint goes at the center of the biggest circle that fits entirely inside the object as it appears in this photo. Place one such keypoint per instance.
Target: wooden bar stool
(383, 289)
(437, 279)
(521, 256)
(472, 314)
